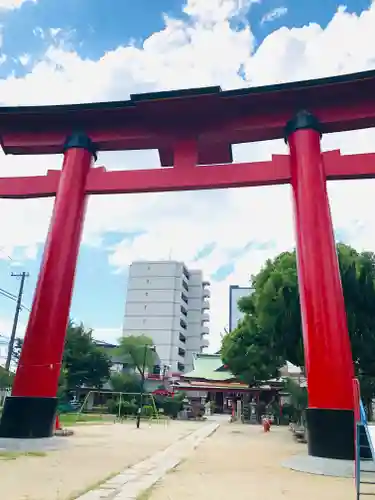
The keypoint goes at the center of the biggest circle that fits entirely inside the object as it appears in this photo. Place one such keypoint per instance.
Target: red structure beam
(209, 115)
(187, 177)
(340, 167)
(41, 186)
(191, 178)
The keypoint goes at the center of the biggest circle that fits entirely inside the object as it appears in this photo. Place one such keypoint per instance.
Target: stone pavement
(129, 484)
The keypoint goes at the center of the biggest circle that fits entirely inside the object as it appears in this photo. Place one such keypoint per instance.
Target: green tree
(298, 399)
(136, 351)
(84, 363)
(275, 309)
(17, 347)
(248, 353)
(6, 379)
(126, 382)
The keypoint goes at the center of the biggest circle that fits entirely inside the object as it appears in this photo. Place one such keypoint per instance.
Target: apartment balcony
(182, 338)
(206, 304)
(204, 343)
(206, 292)
(183, 312)
(205, 317)
(205, 330)
(181, 352)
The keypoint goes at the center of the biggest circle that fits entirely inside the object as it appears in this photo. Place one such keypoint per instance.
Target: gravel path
(96, 452)
(242, 462)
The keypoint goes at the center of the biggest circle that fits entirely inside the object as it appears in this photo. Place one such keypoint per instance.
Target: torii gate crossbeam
(264, 173)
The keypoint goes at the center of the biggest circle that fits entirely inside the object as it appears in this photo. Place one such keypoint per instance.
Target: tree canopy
(247, 353)
(84, 363)
(126, 382)
(6, 378)
(272, 312)
(137, 351)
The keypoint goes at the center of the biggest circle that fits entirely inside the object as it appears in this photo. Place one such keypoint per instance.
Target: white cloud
(274, 14)
(13, 4)
(202, 50)
(216, 11)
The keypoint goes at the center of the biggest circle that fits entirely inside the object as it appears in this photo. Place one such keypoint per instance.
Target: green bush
(147, 411)
(111, 406)
(125, 409)
(171, 406)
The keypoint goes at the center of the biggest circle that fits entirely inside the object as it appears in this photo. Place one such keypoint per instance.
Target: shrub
(147, 411)
(125, 409)
(171, 406)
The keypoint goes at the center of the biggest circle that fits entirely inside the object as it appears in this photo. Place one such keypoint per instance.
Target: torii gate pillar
(328, 359)
(31, 410)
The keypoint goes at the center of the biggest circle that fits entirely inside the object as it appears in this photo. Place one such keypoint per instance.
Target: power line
(23, 277)
(7, 294)
(10, 296)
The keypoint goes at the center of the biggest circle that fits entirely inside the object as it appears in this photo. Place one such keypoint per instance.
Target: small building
(211, 380)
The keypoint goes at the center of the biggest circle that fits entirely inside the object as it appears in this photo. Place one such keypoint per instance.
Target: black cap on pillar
(79, 139)
(302, 120)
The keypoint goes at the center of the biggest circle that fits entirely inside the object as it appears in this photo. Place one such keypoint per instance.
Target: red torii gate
(193, 131)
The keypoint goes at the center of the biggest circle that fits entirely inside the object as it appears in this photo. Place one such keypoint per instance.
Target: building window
(185, 285)
(185, 272)
(183, 324)
(184, 298)
(182, 338)
(183, 311)
(181, 352)
(180, 367)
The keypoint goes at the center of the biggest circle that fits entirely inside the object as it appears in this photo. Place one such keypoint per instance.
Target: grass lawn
(12, 455)
(69, 419)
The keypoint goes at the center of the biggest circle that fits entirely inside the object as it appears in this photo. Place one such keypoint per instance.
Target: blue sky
(91, 29)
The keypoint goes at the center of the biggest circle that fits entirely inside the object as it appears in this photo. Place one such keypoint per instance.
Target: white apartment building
(168, 303)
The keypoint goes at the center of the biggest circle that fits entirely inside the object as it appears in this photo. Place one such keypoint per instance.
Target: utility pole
(23, 276)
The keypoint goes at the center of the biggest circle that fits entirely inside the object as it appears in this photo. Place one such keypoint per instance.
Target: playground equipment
(194, 138)
(364, 448)
(120, 398)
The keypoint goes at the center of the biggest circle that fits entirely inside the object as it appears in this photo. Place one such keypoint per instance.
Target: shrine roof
(216, 118)
(209, 367)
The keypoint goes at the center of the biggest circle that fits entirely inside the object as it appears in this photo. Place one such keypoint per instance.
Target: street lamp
(139, 413)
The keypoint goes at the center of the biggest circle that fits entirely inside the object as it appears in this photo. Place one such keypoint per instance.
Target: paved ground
(133, 482)
(241, 462)
(96, 452)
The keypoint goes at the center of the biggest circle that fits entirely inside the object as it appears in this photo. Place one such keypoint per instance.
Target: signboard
(235, 293)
